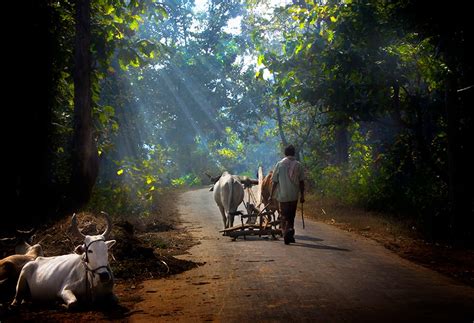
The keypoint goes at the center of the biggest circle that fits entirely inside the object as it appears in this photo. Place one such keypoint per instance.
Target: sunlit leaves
(417, 60)
(142, 177)
(227, 153)
(134, 25)
(298, 48)
(161, 11)
(188, 180)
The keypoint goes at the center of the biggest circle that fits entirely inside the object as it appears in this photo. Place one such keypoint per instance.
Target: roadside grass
(350, 218)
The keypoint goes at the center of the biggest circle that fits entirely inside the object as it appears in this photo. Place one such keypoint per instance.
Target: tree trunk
(342, 143)
(85, 161)
(396, 113)
(280, 126)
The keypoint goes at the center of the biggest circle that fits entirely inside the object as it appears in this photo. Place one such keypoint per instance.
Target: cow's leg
(224, 218)
(230, 217)
(69, 299)
(22, 290)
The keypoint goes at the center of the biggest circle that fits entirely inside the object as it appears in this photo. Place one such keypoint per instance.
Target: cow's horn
(25, 232)
(8, 240)
(74, 227)
(108, 229)
(213, 179)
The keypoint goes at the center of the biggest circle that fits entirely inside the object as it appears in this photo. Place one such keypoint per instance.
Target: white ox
(84, 277)
(228, 194)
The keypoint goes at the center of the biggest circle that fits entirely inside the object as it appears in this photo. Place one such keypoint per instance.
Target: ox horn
(74, 227)
(247, 181)
(25, 232)
(8, 241)
(213, 179)
(26, 235)
(108, 229)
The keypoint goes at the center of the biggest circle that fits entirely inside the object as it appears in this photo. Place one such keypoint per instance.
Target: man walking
(288, 183)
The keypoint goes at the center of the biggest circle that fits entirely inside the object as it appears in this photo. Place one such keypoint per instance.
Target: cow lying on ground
(17, 244)
(11, 266)
(228, 194)
(75, 278)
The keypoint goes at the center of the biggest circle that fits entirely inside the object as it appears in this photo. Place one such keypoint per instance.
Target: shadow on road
(316, 246)
(307, 238)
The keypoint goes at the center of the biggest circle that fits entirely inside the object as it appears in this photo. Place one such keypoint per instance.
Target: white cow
(228, 194)
(84, 277)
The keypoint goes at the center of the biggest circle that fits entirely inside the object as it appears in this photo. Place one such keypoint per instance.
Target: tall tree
(85, 161)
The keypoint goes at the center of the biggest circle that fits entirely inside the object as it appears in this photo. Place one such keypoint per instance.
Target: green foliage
(114, 30)
(360, 167)
(365, 87)
(334, 183)
(195, 99)
(401, 184)
(351, 182)
(131, 189)
(188, 180)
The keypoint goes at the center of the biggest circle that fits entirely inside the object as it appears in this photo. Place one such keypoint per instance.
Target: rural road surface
(329, 275)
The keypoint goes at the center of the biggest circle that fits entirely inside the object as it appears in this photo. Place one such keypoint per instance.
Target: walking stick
(302, 216)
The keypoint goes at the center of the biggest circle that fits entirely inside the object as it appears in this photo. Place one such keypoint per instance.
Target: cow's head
(35, 251)
(95, 250)
(20, 242)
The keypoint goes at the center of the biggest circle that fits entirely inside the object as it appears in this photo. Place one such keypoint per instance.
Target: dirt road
(328, 276)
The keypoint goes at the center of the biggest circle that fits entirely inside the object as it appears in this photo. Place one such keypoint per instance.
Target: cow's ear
(80, 249)
(110, 243)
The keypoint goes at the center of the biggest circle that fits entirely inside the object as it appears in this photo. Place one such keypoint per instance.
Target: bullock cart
(257, 219)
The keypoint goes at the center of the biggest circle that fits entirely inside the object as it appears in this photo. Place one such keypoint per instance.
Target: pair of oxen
(83, 277)
(228, 193)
